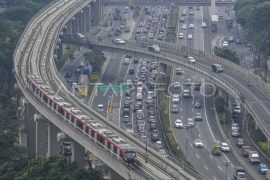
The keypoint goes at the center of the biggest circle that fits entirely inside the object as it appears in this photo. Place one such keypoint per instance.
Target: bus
(126, 10)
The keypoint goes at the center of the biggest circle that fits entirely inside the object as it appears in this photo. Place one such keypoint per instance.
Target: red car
(110, 35)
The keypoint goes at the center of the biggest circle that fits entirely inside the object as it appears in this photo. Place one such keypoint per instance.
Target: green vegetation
(173, 19)
(219, 103)
(96, 32)
(65, 57)
(171, 37)
(227, 53)
(253, 16)
(263, 145)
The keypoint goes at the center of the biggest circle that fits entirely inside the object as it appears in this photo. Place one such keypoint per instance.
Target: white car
(191, 26)
(176, 85)
(139, 96)
(178, 123)
(81, 65)
(186, 93)
(190, 36)
(237, 109)
(190, 122)
(188, 82)
(175, 98)
(181, 36)
(203, 25)
(225, 147)
(191, 59)
(151, 94)
(163, 153)
(129, 82)
(235, 126)
(225, 44)
(159, 144)
(149, 100)
(154, 72)
(198, 143)
(119, 41)
(184, 27)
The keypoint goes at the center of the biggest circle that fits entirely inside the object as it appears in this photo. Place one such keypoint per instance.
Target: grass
(91, 87)
(96, 32)
(171, 37)
(221, 120)
(173, 19)
(263, 146)
(65, 57)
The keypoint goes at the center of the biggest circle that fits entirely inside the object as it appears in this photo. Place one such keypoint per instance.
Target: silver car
(235, 133)
(188, 82)
(198, 143)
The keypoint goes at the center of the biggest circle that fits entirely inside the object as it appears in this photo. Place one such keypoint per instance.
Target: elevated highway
(34, 55)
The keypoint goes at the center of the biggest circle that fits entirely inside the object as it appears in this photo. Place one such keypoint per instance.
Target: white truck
(239, 173)
(141, 126)
(253, 157)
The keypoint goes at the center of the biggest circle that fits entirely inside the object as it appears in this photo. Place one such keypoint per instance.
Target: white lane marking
(193, 77)
(192, 109)
(197, 156)
(132, 122)
(214, 178)
(219, 168)
(202, 32)
(232, 165)
(226, 158)
(182, 78)
(180, 109)
(191, 145)
(181, 102)
(199, 135)
(181, 117)
(205, 167)
(210, 156)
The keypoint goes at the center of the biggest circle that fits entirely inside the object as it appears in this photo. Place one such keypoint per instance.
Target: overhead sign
(173, 6)
(130, 3)
(102, 87)
(93, 76)
(114, 87)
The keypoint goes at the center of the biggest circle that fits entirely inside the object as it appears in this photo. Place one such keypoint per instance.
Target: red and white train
(84, 124)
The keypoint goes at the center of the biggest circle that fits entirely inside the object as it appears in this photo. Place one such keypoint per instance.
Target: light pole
(187, 127)
(226, 164)
(146, 151)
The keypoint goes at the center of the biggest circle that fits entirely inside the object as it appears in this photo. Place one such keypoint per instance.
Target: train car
(110, 142)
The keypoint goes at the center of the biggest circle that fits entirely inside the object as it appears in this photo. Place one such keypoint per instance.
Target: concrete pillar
(76, 23)
(41, 135)
(268, 144)
(97, 12)
(83, 22)
(256, 126)
(30, 126)
(69, 27)
(112, 175)
(87, 15)
(60, 50)
(220, 91)
(78, 153)
(53, 143)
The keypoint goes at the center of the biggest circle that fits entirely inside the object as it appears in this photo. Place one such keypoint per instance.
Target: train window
(115, 149)
(45, 99)
(54, 106)
(50, 102)
(40, 94)
(121, 155)
(72, 119)
(79, 124)
(34, 88)
(108, 145)
(60, 110)
(67, 115)
(100, 139)
(28, 81)
(93, 134)
(87, 130)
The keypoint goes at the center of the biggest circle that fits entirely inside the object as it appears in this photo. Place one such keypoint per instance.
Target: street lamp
(187, 127)
(146, 151)
(226, 164)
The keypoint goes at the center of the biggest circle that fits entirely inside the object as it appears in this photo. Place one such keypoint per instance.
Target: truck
(198, 85)
(84, 80)
(229, 23)
(86, 71)
(245, 150)
(253, 157)
(268, 174)
(216, 147)
(139, 115)
(141, 126)
(239, 173)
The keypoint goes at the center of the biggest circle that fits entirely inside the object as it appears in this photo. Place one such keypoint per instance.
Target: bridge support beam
(69, 27)
(41, 135)
(60, 50)
(53, 143)
(78, 153)
(83, 22)
(87, 15)
(30, 126)
(97, 12)
(113, 175)
(268, 144)
(76, 23)
(256, 126)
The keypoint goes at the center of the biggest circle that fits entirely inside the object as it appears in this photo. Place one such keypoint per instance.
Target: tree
(96, 58)
(55, 167)
(219, 103)
(227, 53)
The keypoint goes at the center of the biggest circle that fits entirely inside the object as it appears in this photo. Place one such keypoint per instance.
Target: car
(197, 104)
(225, 44)
(131, 70)
(69, 74)
(139, 96)
(149, 100)
(126, 105)
(159, 144)
(198, 7)
(190, 36)
(126, 112)
(151, 94)
(175, 98)
(136, 107)
(163, 153)
(184, 27)
(231, 39)
(143, 78)
(191, 26)
(67, 143)
(203, 25)
(122, 23)
(188, 82)
(217, 68)
(153, 126)
(178, 123)
(240, 142)
(122, 27)
(237, 109)
(235, 126)
(78, 36)
(118, 41)
(160, 37)
(174, 108)
(67, 151)
(181, 36)
(235, 133)
(141, 24)
(176, 85)
(129, 56)
(154, 137)
(145, 31)
(191, 59)
(198, 143)
(262, 168)
(238, 41)
(81, 65)
(69, 81)
(154, 48)
(143, 138)
(110, 35)
(236, 103)
(151, 80)
(154, 72)
(179, 71)
(182, 19)
(225, 147)
(128, 100)
(186, 93)
(126, 119)
(136, 60)
(151, 113)
(78, 71)
(100, 107)
(190, 122)
(151, 118)
(191, 13)
(152, 67)
(198, 117)
(150, 105)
